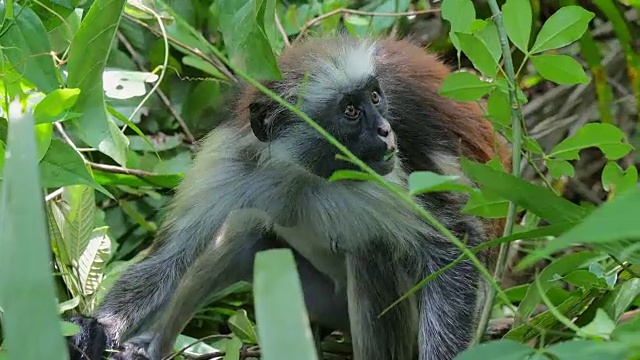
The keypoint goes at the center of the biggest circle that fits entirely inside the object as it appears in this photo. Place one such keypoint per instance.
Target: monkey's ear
(258, 114)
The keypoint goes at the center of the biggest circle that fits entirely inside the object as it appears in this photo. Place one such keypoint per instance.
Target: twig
(165, 100)
(282, 31)
(53, 194)
(344, 11)
(516, 125)
(213, 61)
(119, 170)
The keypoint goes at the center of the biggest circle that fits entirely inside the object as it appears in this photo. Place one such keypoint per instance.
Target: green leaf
(57, 102)
(587, 350)
(607, 137)
(44, 135)
(62, 166)
(91, 264)
(241, 326)
(561, 69)
(421, 182)
(537, 199)
(464, 86)
(26, 285)
(25, 43)
(560, 168)
(88, 54)
(460, 14)
(616, 180)
(586, 279)
(477, 51)
(69, 329)
(350, 175)
(497, 350)
(281, 315)
(246, 43)
(489, 36)
(620, 215)
(381, 23)
(168, 181)
(484, 203)
(562, 28)
(517, 17)
(499, 108)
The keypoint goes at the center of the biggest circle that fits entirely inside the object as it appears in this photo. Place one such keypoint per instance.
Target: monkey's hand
(90, 342)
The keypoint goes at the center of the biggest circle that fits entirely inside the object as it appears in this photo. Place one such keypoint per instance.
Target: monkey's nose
(384, 130)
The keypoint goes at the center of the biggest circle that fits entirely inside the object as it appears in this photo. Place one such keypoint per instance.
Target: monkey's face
(355, 116)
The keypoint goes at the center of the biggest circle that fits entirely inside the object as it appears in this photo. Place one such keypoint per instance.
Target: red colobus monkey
(260, 181)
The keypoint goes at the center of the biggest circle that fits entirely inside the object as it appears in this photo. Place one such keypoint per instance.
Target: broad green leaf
(559, 168)
(281, 315)
(484, 203)
(44, 135)
(26, 284)
(616, 302)
(562, 28)
(246, 43)
(607, 137)
(587, 350)
(54, 12)
(620, 216)
(479, 54)
(601, 325)
(69, 329)
(614, 179)
(464, 86)
(241, 326)
(460, 14)
(266, 19)
(585, 279)
(561, 69)
(499, 108)
(79, 220)
(517, 17)
(62, 166)
(426, 181)
(25, 43)
(93, 260)
(199, 348)
(232, 349)
(497, 350)
(55, 104)
(535, 198)
(88, 53)
(489, 36)
(559, 267)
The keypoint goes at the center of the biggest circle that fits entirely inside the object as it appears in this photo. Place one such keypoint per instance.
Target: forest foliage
(104, 101)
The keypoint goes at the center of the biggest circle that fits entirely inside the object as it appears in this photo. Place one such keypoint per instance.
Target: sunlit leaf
(607, 137)
(498, 350)
(25, 43)
(88, 53)
(479, 54)
(241, 326)
(517, 17)
(55, 104)
(561, 69)
(562, 28)
(464, 86)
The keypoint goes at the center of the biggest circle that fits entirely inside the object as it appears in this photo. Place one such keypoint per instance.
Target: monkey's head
(336, 85)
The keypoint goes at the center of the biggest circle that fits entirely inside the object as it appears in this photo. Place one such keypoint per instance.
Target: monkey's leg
(374, 281)
(223, 262)
(448, 310)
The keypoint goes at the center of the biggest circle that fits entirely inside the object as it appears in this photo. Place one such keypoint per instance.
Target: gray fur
(369, 244)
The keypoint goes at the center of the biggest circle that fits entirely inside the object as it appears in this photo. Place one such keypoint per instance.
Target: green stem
(516, 125)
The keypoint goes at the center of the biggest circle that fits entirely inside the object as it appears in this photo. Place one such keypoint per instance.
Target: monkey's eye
(351, 112)
(375, 97)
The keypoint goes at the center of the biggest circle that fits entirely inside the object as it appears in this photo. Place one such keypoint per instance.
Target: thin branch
(165, 100)
(516, 125)
(285, 37)
(344, 11)
(119, 170)
(213, 61)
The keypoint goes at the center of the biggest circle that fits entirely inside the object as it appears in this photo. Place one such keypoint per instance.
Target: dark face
(356, 118)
